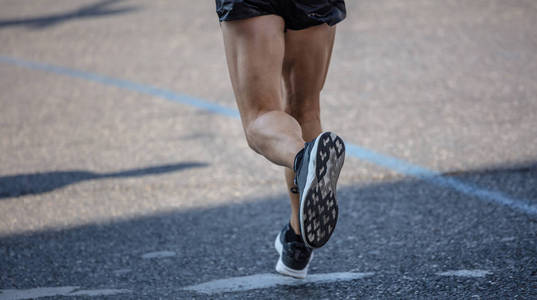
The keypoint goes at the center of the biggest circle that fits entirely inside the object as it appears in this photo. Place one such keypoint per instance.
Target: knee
(252, 131)
(267, 126)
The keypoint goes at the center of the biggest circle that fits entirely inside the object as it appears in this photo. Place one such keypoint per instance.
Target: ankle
(295, 226)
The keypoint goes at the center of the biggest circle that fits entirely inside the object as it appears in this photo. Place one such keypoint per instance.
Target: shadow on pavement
(405, 231)
(528, 167)
(24, 184)
(99, 9)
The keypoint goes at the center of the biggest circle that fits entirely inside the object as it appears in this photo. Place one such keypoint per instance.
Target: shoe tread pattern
(320, 212)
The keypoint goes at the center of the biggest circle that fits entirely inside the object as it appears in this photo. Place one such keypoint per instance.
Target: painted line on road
(466, 273)
(69, 291)
(436, 178)
(356, 151)
(127, 85)
(158, 254)
(121, 272)
(269, 280)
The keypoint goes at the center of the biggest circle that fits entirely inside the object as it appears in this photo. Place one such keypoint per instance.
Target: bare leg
(306, 61)
(255, 53)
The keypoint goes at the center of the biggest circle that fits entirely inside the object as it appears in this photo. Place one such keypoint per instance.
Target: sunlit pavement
(124, 172)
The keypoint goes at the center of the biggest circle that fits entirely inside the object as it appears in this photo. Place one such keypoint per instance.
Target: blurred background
(118, 139)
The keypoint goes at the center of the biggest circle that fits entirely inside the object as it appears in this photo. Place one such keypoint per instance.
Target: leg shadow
(99, 9)
(38, 183)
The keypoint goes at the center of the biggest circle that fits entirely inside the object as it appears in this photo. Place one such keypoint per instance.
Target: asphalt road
(124, 173)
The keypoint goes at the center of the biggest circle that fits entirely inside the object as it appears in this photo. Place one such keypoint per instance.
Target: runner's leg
(255, 52)
(305, 65)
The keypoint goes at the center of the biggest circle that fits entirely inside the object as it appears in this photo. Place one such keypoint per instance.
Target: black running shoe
(295, 257)
(317, 169)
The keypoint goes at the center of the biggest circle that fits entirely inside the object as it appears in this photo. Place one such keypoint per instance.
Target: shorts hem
(244, 17)
(331, 22)
(296, 16)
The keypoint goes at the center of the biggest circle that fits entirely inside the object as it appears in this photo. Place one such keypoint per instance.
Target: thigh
(255, 51)
(307, 57)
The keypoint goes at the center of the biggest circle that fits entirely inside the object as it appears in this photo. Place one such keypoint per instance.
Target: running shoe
(317, 169)
(295, 256)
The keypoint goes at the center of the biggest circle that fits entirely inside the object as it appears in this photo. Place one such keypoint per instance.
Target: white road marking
(158, 254)
(55, 291)
(92, 293)
(268, 280)
(36, 293)
(465, 273)
(122, 271)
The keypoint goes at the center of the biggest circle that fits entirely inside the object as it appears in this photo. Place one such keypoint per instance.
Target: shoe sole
(318, 204)
(285, 270)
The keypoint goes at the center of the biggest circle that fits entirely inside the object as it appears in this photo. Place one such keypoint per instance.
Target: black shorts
(298, 14)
